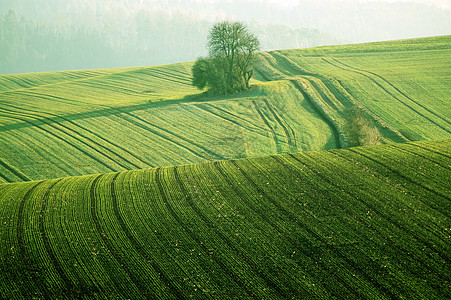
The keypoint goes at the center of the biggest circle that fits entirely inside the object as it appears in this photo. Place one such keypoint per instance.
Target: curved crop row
(321, 225)
(80, 141)
(85, 122)
(407, 105)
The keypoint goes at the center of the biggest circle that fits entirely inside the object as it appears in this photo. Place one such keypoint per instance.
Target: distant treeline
(74, 34)
(102, 39)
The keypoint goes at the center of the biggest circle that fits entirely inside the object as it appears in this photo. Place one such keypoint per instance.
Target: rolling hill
(84, 122)
(366, 222)
(129, 183)
(129, 119)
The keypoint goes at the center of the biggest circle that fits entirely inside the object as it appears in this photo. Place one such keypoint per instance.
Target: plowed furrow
(398, 90)
(70, 132)
(139, 248)
(164, 78)
(372, 207)
(391, 94)
(322, 94)
(30, 272)
(401, 175)
(107, 87)
(225, 239)
(48, 97)
(294, 219)
(303, 247)
(262, 74)
(194, 237)
(431, 150)
(13, 171)
(112, 144)
(69, 286)
(72, 144)
(320, 113)
(376, 230)
(168, 133)
(232, 115)
(425, 157)
(137, 281)
(172, 75)
(251, 127)
(285, 60)
(6, 178)
(40, 118)
(271, 130)
(183, 74)
(290, 141)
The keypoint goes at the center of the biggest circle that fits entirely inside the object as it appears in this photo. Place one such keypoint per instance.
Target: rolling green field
(366, 222)
(329, 179)
(401, 86)
(130, 119)
(94, 121)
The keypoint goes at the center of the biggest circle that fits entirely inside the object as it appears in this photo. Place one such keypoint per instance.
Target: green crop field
(133, 118)
(85, 122)
(365, 222)
(329, 178)
(402, 86)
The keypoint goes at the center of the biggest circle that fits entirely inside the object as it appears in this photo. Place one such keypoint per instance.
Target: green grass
(367, 222)
(84, 122)
(403, 86)
(229, 221)
(142, 117)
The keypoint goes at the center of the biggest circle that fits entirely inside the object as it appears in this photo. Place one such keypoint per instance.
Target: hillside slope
(84, 122)
(53, 125)
(367, 222)
(400, 87)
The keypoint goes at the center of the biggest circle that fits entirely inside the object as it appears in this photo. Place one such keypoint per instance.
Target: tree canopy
(232, 55)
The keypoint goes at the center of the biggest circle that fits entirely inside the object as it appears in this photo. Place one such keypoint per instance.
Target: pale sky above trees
(439, 3)
(73, 34)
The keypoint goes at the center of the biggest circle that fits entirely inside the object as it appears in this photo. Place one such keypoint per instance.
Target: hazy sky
(79, 34)
(440, 3)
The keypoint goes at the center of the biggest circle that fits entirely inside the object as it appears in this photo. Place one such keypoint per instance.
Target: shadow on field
(29, 121)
